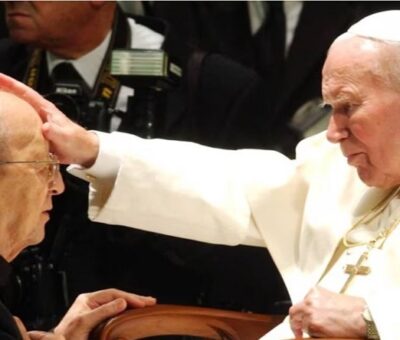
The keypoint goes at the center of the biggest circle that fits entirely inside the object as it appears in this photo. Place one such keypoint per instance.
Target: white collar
(88, 65)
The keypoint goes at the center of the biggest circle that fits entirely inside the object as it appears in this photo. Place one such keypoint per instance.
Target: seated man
(29, 178)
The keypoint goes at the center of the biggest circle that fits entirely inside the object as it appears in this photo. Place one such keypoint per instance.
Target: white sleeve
(175, 188)
(384, 308)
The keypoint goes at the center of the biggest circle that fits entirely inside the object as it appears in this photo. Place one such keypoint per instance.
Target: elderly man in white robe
(329, 218)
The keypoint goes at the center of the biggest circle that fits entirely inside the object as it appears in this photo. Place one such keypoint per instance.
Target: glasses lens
(54, 166)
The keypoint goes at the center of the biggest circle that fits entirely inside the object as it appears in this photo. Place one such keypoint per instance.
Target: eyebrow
(342, 96)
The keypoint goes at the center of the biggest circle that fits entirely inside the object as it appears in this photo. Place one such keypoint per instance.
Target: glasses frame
(53, 162)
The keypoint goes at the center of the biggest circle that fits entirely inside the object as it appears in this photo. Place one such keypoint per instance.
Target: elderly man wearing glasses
(29, 178)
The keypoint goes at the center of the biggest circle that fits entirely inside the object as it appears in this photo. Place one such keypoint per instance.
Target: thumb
(105, 311)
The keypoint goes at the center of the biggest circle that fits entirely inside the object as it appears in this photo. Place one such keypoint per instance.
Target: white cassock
(299, 209)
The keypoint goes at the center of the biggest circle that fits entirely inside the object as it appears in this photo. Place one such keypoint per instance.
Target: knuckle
(78, 322)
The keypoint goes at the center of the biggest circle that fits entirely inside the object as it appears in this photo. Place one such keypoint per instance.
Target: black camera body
(150, 72)
(74, 99)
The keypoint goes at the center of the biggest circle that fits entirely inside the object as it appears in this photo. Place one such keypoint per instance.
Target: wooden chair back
(206, 323)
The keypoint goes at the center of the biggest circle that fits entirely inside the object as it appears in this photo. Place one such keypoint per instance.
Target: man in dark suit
(218, 102)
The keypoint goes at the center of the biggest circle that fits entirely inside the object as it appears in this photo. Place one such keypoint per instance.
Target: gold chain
(371, 244)
(367, 218)
(370, 216)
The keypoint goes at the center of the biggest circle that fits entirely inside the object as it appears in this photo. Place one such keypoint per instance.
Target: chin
(21, 36)
(367, 177)
(375, 180)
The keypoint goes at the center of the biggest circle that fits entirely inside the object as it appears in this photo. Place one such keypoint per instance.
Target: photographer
(63, 49)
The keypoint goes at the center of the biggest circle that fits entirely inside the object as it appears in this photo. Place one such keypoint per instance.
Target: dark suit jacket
(8, 327)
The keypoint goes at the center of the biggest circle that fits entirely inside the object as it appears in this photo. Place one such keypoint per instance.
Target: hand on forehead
(26, 93)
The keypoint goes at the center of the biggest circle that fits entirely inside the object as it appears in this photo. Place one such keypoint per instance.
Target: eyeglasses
(53, 165)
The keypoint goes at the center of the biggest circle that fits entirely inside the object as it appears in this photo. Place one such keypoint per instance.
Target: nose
(337, 128)
(57, 186)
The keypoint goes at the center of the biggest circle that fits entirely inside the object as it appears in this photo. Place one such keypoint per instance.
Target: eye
(326, 108)
(344, 108)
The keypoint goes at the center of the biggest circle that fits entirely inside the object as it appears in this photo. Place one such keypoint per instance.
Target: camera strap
(106, 88)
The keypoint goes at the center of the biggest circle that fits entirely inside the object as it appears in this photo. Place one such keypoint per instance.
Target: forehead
(351, 63)
(22, 125)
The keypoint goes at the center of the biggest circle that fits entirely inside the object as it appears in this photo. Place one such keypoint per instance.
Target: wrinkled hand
(69, 141)
(323, 313)
(35, 335)
(90, 309)
(38, 335)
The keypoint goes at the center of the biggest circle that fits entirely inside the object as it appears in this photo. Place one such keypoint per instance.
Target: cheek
(30, 207)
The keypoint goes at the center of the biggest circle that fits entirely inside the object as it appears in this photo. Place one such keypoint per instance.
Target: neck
(77, 48)
(84, 38)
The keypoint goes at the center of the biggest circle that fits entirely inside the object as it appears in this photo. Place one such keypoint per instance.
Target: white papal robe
(299, 209)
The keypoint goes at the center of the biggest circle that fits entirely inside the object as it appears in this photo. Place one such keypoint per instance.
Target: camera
(151, 73)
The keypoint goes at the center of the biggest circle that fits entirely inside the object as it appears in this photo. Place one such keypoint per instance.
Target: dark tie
(65, 76)
(65, 72)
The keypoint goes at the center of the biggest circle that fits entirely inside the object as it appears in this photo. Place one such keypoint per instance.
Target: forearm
(175, 188)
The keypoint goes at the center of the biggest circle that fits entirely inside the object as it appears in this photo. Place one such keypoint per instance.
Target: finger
(296, 320)
(297, 328)
(103, 312)
(39, 335)
(133, 300)
(21, 328)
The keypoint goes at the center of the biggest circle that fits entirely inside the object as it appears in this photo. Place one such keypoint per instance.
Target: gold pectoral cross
(356, 269)
(353, 269)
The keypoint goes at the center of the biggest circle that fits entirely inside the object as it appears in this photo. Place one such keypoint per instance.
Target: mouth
(18, 18)
(47, 211)
(355, 159)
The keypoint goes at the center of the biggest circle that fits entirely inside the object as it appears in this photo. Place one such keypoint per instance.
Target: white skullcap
(382, 26)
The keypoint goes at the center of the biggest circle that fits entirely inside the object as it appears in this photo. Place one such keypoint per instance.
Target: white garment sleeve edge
(107, 162)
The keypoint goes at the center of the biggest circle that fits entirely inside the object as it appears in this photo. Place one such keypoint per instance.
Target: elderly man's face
(365, 110)
(26, 190)
(46, 23)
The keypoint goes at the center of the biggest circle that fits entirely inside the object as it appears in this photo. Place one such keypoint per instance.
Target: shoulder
(144, 35)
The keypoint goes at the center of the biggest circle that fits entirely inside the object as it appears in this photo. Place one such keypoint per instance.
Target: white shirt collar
(88, 65)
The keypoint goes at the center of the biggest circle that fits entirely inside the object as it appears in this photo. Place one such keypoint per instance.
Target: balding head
(18, 123)
(26, 182)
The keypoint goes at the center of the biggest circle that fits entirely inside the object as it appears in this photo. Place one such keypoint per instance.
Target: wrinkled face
(365, 110)
(26, 190)
(45, 23)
